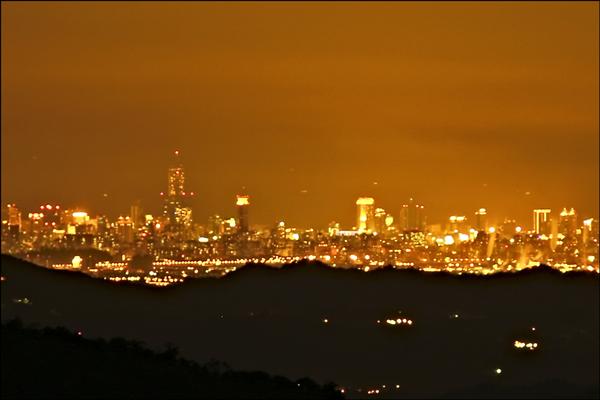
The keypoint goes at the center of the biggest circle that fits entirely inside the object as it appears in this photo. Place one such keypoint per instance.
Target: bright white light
(242, 200)
(366, 201)
(76, 262)
(448, 240)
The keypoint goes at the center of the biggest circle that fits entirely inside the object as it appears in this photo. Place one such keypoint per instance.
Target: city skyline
(391, 200)
(174, 195)
(148, 242)
(279, 107)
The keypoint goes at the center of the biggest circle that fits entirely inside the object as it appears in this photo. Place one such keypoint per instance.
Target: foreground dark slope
(272, 320)
(56, 363)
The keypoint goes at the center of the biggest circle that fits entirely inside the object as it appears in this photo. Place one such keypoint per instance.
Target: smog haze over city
(300, 200)
(306, 106)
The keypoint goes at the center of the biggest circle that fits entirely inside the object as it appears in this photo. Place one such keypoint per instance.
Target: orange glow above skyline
(309, 106)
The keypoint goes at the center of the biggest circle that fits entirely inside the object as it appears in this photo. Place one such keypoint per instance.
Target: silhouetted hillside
(56, 363)
(273, 320)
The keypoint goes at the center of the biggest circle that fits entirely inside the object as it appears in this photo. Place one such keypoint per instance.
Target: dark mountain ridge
(261, 318)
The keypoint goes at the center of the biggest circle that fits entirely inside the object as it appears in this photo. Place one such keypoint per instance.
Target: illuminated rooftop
(365, 201)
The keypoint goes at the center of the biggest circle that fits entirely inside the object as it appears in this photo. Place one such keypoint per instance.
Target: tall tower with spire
(176, 178)
(175, 208)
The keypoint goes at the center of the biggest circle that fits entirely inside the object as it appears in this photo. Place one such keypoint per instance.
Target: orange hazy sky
(305, 106)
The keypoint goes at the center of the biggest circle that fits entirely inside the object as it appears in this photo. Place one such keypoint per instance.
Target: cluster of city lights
(399, 321)
(174, 241)
(372, 391)
(223, 267)
(525, 345)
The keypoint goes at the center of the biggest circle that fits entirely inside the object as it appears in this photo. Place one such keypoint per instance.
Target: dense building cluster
(147, 244)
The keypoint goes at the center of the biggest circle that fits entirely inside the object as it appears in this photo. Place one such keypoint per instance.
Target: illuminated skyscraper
(365, 214)
(183, 216)
(215, 225)
(80, 223)
(457, 224)
(176, 178)
(412, 217)
(125, 230)
(242, 204)
(481, 219)
(380, 216)
(175, 208)
(14, 215)
(541, 221)
(333, 228)
(383, 221)
(14, 223)
(103, 225)
(52, 214)
(80, 217)
(590, 230)
(567, 223)
(135, 214)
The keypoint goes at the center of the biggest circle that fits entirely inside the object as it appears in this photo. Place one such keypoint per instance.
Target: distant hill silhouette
(260, 318)
(318, 265)
(55, 363)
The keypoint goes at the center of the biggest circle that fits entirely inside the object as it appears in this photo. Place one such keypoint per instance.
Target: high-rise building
(481, 219)
(457, 224)
(215, 225)
(80, 218)
(242, 203)
(14, 215)
(52, 214)
(80, 223)
(590, 230)
(136, 215)
(176, 178)
(103, 225)
(333, 228)
(412, 217)
(541, 220)
(14, 223)
(365, 215)
(567, 222)
(183, 216)
(383, 221)
(175, 208)
(125, 230)
(380, 215)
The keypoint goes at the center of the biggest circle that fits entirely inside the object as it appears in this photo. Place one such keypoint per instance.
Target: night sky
(308, 106)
